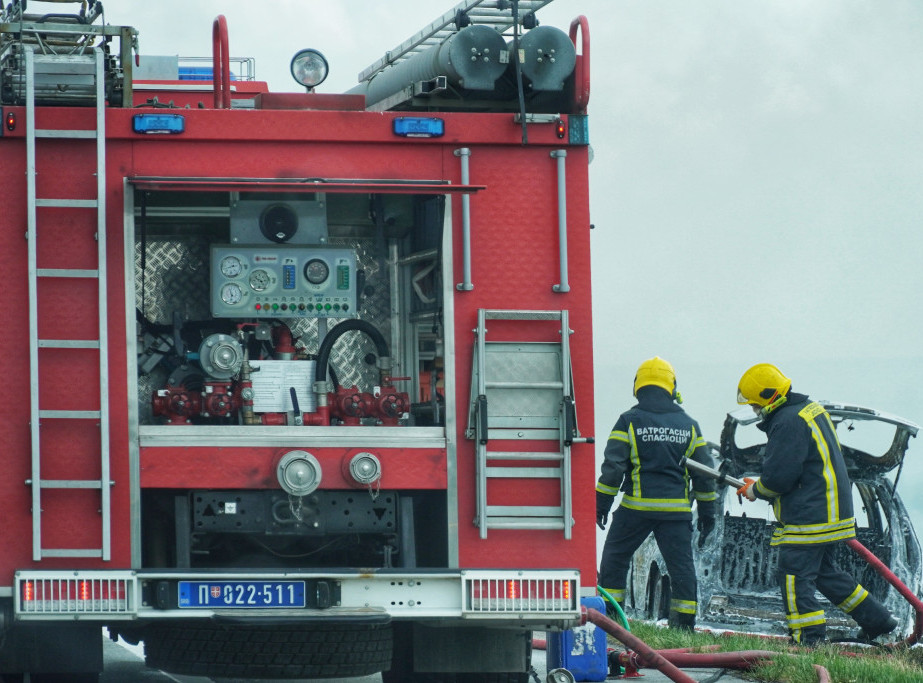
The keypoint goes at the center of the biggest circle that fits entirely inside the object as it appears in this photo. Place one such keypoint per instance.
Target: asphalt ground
(124, 663)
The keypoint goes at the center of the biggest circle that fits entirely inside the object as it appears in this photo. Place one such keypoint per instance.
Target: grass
(845, 663)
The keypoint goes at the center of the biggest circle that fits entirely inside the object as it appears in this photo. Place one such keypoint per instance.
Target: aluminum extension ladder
(82, 67)
(495, 13)
(522, 391)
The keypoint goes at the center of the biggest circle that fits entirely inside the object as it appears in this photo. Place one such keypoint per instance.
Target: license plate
(241, 594)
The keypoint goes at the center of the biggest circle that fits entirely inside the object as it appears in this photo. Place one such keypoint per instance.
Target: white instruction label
(273, 381)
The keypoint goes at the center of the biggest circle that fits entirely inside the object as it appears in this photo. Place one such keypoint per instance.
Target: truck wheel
(292, 651)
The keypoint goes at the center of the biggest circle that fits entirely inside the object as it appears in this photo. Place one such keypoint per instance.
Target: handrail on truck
(582, 67)
(221, 63)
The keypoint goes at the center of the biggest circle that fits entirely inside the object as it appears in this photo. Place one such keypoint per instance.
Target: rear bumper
(538, 598)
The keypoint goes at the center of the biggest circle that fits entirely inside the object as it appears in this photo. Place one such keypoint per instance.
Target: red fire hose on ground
(669, 661)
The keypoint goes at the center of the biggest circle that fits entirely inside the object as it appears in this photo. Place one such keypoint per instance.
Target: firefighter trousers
(803, 569)
(627, 532)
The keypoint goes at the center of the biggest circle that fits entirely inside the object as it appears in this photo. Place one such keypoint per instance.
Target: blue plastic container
(581, 650)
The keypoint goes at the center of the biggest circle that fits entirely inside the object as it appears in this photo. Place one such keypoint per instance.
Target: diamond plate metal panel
(526, 365)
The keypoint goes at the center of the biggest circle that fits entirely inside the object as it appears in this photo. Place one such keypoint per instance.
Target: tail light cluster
(520, 594)
(74, 596)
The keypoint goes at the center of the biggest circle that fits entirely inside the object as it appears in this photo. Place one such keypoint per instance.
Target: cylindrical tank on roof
(470, 59)
(548, 55)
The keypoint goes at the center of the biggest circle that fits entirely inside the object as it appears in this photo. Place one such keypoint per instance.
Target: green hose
(618, 609)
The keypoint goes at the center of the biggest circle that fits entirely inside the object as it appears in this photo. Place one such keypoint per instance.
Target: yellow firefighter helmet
(762, 385)
(657, 372)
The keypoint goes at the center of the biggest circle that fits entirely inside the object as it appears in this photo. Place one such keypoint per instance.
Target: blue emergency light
(419, 127)
(168, 124)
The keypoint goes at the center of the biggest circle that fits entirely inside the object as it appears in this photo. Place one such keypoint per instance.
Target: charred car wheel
(296, 651)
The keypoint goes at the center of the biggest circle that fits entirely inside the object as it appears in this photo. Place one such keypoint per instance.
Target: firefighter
(804, 476)
(643, 457)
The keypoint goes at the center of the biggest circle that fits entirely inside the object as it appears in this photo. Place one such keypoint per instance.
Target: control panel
(283, 282)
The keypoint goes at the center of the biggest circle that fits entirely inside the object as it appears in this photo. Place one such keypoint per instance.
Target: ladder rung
(71, 484)
(68, 343)
(66, 134)
(66, 272)
(71, 552)
(67, 203)
(497, 314)
(518, 511)
(523, 472)
(524, 523)
(524, 385)
(498, 455)
(71, 414)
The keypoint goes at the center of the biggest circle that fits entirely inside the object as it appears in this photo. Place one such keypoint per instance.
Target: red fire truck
(305, 370)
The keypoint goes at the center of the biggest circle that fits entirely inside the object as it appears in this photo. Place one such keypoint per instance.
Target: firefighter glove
(747, 489)
(705, 525)
(603, 504)
(705, 522)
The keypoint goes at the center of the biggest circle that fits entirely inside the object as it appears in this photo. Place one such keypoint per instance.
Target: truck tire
(290, 651)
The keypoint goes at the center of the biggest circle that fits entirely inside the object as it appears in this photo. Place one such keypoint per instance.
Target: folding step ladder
(522, 391)
(40, 68)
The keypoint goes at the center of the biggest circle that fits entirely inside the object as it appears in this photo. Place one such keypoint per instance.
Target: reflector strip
(520, 595)
(52, 596)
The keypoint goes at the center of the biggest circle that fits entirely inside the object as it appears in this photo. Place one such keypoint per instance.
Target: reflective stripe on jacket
(643, 454)
(804, 475)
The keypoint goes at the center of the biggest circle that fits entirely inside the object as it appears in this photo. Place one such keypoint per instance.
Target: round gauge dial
(231, 294)
(259, 280)
(316, 271)
(231, 266)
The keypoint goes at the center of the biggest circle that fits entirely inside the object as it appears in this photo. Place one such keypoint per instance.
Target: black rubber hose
(323, 353)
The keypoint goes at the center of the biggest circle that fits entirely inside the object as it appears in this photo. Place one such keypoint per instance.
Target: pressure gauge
(230, 266)
(316, 271)
(231, 294)
(259, 280)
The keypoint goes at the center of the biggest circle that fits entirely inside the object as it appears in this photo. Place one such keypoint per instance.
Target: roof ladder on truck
(522, 391)
(67, 355)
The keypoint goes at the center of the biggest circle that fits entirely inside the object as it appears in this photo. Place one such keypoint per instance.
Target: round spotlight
(309, 67)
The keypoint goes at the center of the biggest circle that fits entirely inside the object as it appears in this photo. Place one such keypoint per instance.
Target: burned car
(736, 567)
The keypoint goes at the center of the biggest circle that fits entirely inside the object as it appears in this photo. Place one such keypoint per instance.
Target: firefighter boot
(873, 618)
(812, 636)
(681, 621)
(869, 633)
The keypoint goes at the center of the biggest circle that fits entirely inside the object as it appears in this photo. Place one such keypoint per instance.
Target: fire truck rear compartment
(272, 529)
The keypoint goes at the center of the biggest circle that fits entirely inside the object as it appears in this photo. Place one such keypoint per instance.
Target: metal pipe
(466, 285)
(561, 155)
(720, 477)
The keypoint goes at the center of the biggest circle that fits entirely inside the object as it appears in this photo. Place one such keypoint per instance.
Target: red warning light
(10, 120)
(560, 128)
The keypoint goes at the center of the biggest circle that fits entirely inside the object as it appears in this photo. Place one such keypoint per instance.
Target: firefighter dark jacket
(804, 475)
(643, 456)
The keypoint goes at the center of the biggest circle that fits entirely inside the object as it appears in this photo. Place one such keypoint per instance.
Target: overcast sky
(756, 183)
